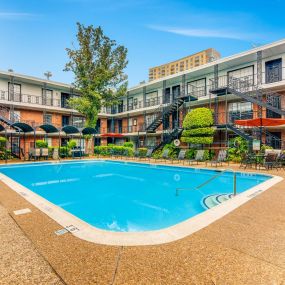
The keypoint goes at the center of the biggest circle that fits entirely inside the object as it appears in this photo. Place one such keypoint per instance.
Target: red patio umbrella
(260, 122)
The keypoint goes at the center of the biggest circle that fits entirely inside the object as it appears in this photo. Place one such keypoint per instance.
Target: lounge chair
(164, 156)
(44, 153)
(34, 153)
(199, 157)
(148, 154)
(219, 159)
(181, 156)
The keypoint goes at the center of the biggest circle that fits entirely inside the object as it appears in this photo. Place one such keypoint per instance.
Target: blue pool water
(118, 196)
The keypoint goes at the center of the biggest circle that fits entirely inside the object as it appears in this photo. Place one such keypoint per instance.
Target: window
(14, 91)
(240, 110)
(197, 87)
(135, 122)
(273, 70)
(47, 97)
(78, 121)
(242, 72)
(152, 99)
(47, 118)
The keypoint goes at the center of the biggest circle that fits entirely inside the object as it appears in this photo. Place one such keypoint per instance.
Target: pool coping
(85, 231)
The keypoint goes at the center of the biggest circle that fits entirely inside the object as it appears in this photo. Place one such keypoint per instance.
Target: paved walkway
(20, 262)
(245, 247)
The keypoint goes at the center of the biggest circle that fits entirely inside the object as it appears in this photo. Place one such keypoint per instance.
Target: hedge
(41, 144)
(142, 151)
(198, 118)
(197, 140)
(113, 150)
(198, 127)
(198, 132)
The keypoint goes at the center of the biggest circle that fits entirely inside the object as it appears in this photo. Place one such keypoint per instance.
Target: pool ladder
(211, 179)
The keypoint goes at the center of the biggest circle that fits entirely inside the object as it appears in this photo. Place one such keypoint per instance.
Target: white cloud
(205, 32)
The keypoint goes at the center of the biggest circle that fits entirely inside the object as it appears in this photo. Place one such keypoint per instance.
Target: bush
(5, 154)
(63, 151)
(264, 147)
(41, 144)
(113, 150)
(129, 144)
(238, 147)
(157, 154)
(198, 127)
(142, 152)
(3, 142)
(173, 150)
(198, 118)
(71, 144)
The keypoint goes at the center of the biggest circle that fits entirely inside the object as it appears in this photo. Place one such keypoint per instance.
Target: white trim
(92, 234)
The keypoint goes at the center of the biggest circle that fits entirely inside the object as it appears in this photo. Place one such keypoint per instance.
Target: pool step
(215, 199)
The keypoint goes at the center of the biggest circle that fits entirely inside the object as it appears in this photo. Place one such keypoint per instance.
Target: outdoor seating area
(271, 159)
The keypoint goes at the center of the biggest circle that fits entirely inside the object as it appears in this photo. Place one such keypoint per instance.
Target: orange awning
(112, 135)
(260, 122)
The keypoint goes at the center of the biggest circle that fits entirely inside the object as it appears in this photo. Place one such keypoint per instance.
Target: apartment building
(183, 64)
(243, 86)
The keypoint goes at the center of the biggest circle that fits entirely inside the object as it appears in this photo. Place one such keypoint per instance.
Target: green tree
(198, 127)
(98, 65)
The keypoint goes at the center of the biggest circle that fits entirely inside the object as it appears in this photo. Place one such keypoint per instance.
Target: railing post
(235, 183)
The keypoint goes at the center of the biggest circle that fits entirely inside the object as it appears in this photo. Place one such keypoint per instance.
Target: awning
(49, 129)
(260, 122)
(70, 130)
(2, 128)
(112, 135)
(88, 131)
(25, 128)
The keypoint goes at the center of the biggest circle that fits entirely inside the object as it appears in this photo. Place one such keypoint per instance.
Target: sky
(35, 33)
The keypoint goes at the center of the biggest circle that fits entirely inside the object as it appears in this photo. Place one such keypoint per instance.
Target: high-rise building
(183, 64)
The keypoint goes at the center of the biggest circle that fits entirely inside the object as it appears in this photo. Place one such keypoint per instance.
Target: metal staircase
(169, 137)
(246, 89)
(163, 112)
(249, 134)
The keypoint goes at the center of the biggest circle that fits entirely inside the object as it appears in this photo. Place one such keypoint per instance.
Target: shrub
(63, 151)
(129, 144)
(71, 144)
(238, 147)
(157, 154)
(142, 151)
(113, 150)
(41, 144)
(3, 142)
(264, 147)
(173, 150)
(198, 127)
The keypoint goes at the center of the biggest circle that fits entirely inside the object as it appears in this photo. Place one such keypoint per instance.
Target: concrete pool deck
(247, 246)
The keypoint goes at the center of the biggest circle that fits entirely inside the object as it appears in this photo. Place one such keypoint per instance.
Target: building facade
(183, 64)
(243, 86)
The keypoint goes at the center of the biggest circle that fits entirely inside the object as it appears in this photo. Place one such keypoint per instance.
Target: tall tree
(98, 65)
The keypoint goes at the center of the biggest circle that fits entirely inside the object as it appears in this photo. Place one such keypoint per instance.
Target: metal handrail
(210, 180)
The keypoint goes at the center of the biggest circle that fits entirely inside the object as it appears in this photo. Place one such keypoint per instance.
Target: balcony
(29, 99)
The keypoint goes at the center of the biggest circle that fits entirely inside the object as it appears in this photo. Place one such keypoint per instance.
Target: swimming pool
(129, 197)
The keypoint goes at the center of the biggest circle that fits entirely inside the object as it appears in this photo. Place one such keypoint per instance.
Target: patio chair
(219, 159)
(198, 157)
(34, 153)
(148, 154)
(270, 161)
(44, 153)
(247, 159)
(181, 156)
